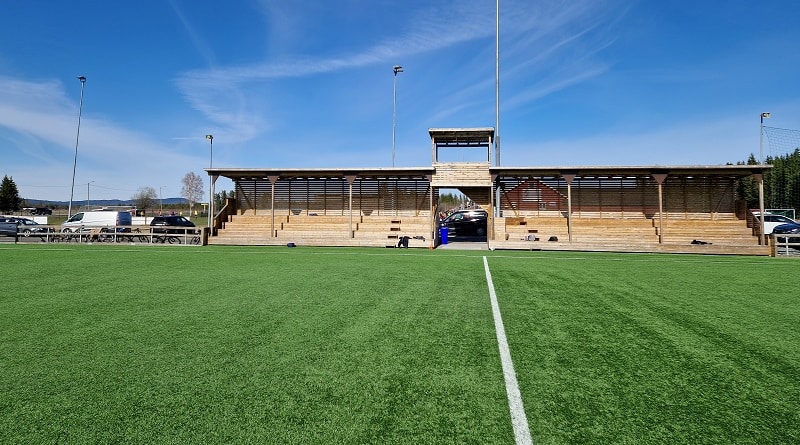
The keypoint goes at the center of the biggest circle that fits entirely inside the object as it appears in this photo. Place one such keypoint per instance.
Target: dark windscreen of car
(76, 217)
(455, 217)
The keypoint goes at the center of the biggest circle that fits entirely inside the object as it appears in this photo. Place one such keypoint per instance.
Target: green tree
(781, 183)
(452, 201)
(747, 188)
(219, 199)
(9, 195)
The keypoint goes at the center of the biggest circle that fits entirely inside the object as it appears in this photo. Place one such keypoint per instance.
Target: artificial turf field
(146, 344)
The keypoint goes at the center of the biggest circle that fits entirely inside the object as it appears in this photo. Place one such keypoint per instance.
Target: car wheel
(480, 231)
(26, 232)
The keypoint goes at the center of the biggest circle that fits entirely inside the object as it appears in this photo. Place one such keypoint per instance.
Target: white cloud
(41, 126)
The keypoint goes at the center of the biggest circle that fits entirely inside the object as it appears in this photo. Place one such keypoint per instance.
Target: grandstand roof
(417, 172)
(681, 170)
(253, 173)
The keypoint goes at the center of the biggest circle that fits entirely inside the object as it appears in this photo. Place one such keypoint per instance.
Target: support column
(272, 180)
(660, 178)
(433, 216)
(569, 177)
(762, 239)
(490, 215)
(350, 180)
(211, 204)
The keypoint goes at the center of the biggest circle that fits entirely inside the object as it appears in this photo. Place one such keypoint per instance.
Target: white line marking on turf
(522, 433)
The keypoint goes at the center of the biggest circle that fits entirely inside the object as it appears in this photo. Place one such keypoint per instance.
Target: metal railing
(124, 234)
(785, 244)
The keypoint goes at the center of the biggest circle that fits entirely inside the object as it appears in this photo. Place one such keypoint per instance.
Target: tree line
(781, 183)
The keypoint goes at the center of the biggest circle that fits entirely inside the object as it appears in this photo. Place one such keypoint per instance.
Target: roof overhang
(422, 172)
(612, 171)
(264, 173)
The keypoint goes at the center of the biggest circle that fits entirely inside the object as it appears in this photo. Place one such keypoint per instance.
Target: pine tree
(220, 197)
(781, 183)
(747, 188)
(9, 196)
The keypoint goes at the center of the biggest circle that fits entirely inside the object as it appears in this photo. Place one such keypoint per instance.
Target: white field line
(522, 433)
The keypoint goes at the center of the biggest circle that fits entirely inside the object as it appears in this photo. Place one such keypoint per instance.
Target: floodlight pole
(497, 210)
(396, 69)
(761, 139)
(762, 237)
(77, 137)
(210, 138)
(497, 86)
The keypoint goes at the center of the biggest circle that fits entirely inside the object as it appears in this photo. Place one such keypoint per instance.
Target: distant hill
(97, 202)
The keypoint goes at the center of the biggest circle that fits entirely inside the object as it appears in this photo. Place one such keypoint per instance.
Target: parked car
(28, 226)
(772, 220)
(793, 228)
(170, 224)
(8, 226)
(39, 211)
(466, 223)
(96, 219)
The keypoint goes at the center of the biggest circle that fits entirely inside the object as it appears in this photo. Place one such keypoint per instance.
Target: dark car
(171, 224)
(465, 223)
(793, 229)
(42, 211)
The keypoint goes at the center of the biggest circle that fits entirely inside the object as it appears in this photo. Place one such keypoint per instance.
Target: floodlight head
(210, 137)
(81, 78)
(765, 115)
(398, 69)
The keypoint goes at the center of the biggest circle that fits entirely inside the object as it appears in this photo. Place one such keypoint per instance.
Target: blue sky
(282, 83)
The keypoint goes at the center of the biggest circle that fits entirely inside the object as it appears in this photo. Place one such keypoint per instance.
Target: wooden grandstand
(367, 231)
(651, 209)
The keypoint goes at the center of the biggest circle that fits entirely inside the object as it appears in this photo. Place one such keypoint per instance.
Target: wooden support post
(660, 178)
(433, 216)
(490, 213)
(762, 239)
(272, 180)
(569, 177)
(350, 180)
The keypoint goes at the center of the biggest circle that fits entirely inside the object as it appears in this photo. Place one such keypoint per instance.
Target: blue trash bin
(443, 235)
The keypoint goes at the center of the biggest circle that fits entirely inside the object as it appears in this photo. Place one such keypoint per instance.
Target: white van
(772, 220)
(96, 219)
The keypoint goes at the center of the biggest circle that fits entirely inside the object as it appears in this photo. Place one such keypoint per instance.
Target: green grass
(129, 344)
(655, 349)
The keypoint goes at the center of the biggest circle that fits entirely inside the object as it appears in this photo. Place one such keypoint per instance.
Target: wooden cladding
(616, 196)
(331, 195)
(458, 174)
